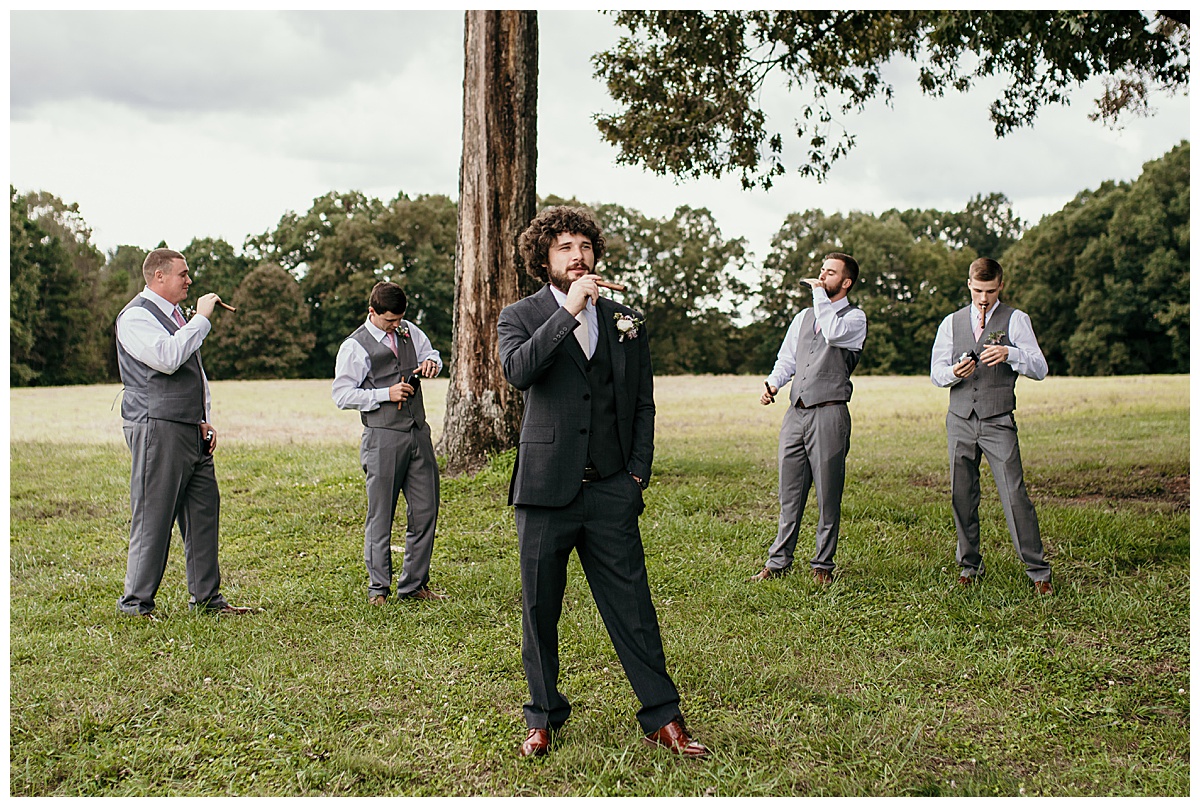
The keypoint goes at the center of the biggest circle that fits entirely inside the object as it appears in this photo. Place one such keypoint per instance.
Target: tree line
(1105, 280)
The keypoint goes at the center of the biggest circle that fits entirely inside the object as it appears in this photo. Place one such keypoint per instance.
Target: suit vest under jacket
(604, 445)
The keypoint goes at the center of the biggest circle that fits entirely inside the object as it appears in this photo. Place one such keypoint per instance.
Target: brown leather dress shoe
(766, 574)
(1043, 587)
(537, 743)
(822, 576)
(378, 599)
(673, 738)
(428, 594)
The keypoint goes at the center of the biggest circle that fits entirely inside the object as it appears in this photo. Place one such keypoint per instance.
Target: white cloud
(252, 114)
(181, 62)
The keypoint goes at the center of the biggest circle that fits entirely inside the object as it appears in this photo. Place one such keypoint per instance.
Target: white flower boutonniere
(402, 331)
(627, 326)
(188, 313)
(995, 338)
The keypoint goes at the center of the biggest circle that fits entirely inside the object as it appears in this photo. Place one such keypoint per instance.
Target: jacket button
(583, 431)
(587, 397)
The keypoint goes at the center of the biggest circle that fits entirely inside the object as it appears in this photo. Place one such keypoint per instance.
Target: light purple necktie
(392, 344)
(178, 317)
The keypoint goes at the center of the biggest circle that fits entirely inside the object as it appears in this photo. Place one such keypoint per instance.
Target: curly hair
(545, 229)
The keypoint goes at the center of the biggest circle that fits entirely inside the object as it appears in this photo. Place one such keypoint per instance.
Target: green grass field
(892, 681)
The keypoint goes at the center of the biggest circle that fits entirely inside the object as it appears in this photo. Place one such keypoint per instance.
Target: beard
(562, 281)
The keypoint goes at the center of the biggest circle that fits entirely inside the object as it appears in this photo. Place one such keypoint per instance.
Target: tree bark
(496, 201)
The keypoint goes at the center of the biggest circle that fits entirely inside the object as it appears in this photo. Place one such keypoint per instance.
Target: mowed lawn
(891, 681)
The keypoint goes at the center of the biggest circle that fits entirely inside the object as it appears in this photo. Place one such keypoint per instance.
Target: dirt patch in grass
(67, 508)
(1153, 486)
(1145, 485)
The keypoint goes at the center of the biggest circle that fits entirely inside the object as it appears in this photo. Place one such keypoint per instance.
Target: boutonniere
(627, 326)
(188, 313)
(402, 331)
(995, 338)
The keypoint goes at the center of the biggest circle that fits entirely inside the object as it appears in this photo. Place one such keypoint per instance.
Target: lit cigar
(608, 284)
(226, 306)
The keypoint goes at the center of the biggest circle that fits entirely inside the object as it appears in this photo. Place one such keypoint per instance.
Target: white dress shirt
(848, 331)
(145, 339)
(589, 313)
(353, 363)
(1024, 355)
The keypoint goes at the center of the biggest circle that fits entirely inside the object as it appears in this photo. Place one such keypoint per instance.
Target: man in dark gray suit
(978, 353)
(587, 442)
(166, 422)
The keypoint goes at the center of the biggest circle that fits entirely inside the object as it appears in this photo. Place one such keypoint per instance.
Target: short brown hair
(159, 260)
(985, 269)
(389, 297)
(547, 226)
(849, 263)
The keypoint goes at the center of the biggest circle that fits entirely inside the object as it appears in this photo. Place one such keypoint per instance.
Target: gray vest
(604, 444)
(991, 390)
(822, 372)
(388, 369)
(177, 396)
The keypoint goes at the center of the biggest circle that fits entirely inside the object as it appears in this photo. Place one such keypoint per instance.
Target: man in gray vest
(979, 352)
(819, 352)
(587, 441)
(165, 410)
(378, 372)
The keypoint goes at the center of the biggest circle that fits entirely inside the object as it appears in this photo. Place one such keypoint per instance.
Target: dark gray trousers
(172, 480)
(601, 524)
(398, 462)
(996, 438)
(813, 444)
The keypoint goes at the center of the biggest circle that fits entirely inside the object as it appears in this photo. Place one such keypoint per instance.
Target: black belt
(800, 404)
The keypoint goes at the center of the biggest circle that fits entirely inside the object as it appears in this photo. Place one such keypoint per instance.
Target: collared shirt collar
(163, 303)
(378, 333)
(975, 312)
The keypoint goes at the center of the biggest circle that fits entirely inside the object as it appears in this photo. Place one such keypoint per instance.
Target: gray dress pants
(398, 462)
(996, 438)
(172, 480)
(813, 444)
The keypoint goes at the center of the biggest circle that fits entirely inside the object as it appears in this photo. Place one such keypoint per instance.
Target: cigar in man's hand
(608, 284)
(226, 306)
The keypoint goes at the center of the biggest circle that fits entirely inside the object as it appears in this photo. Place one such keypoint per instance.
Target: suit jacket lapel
(546, 306)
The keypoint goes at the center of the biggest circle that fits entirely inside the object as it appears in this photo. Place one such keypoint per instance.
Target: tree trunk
(496, 201)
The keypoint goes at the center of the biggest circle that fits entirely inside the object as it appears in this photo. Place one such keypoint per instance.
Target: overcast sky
(171, 125)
